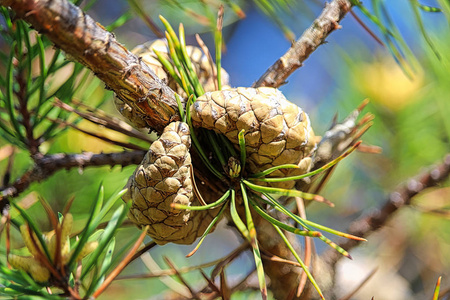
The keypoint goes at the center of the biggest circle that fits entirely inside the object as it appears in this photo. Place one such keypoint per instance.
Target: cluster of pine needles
(243, 188)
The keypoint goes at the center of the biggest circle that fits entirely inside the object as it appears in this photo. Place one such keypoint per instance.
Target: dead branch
(400, 197)
(311, 39)
(86, 41)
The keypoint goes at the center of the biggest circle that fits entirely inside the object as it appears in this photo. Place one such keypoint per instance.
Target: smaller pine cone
(163, 178)
(146, 54)
(276, 131)
(199, 61)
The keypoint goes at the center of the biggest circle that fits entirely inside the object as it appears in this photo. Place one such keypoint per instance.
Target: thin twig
(311, 39)
(178, 274)
(31, 142)
(205, 50)
(211, 284)
(397, 199)
(269, 256)
(366, 28)
(49, 164)
(360, 285)
(242, 284)
(144, 249)
(227, 260)
(170, 272)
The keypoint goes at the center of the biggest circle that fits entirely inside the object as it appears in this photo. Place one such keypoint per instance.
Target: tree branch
(397, 199)
(310, 40)
(86, 41)
(46, 166)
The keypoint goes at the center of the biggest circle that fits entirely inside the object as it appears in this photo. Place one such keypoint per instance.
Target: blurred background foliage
(412, 126)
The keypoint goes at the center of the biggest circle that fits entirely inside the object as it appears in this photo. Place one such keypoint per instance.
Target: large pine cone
(146, 54)
(276, 131)
(163, 178)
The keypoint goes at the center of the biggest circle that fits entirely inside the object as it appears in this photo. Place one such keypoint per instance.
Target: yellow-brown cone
(276, 131)
(163, 178)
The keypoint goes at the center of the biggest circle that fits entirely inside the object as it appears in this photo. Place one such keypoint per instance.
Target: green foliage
(395, 42)
(24, 90)
(64, 261)
(27, 112)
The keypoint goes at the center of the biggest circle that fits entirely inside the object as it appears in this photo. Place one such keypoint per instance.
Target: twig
(205, 50)
(367, 29)
(243, 283)
(363, 282)
(310, 40)
(31, 142)
(211, 283)
(227, 260)
(87, 42)
(170, 272)
(274, 258)
(180, 278)
(397, 199)
(49, 164)
(144, 249)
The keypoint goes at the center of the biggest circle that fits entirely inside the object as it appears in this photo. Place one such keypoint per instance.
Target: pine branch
(311, 39)
(47, 165)
(400, 197)
(85, 41)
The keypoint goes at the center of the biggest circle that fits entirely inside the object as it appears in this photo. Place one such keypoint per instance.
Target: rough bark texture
(86, 41)
(312, 38)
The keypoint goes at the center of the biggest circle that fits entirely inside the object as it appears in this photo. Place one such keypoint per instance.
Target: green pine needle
(437, 288)
(317, 171)
(281, 225)
(203, 207)
(304, 267)
(286, 192)
(242, 148)
(254, 242)
(273, 169)
(208, 230)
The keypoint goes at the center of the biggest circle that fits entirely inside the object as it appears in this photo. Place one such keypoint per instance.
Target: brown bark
(399, 198)
(49, 164)
(86, 41)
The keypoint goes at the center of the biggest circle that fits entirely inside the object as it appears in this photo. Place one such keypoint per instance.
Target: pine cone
(199, 61)
(276, 131)
(146, 54)
(163, 178)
